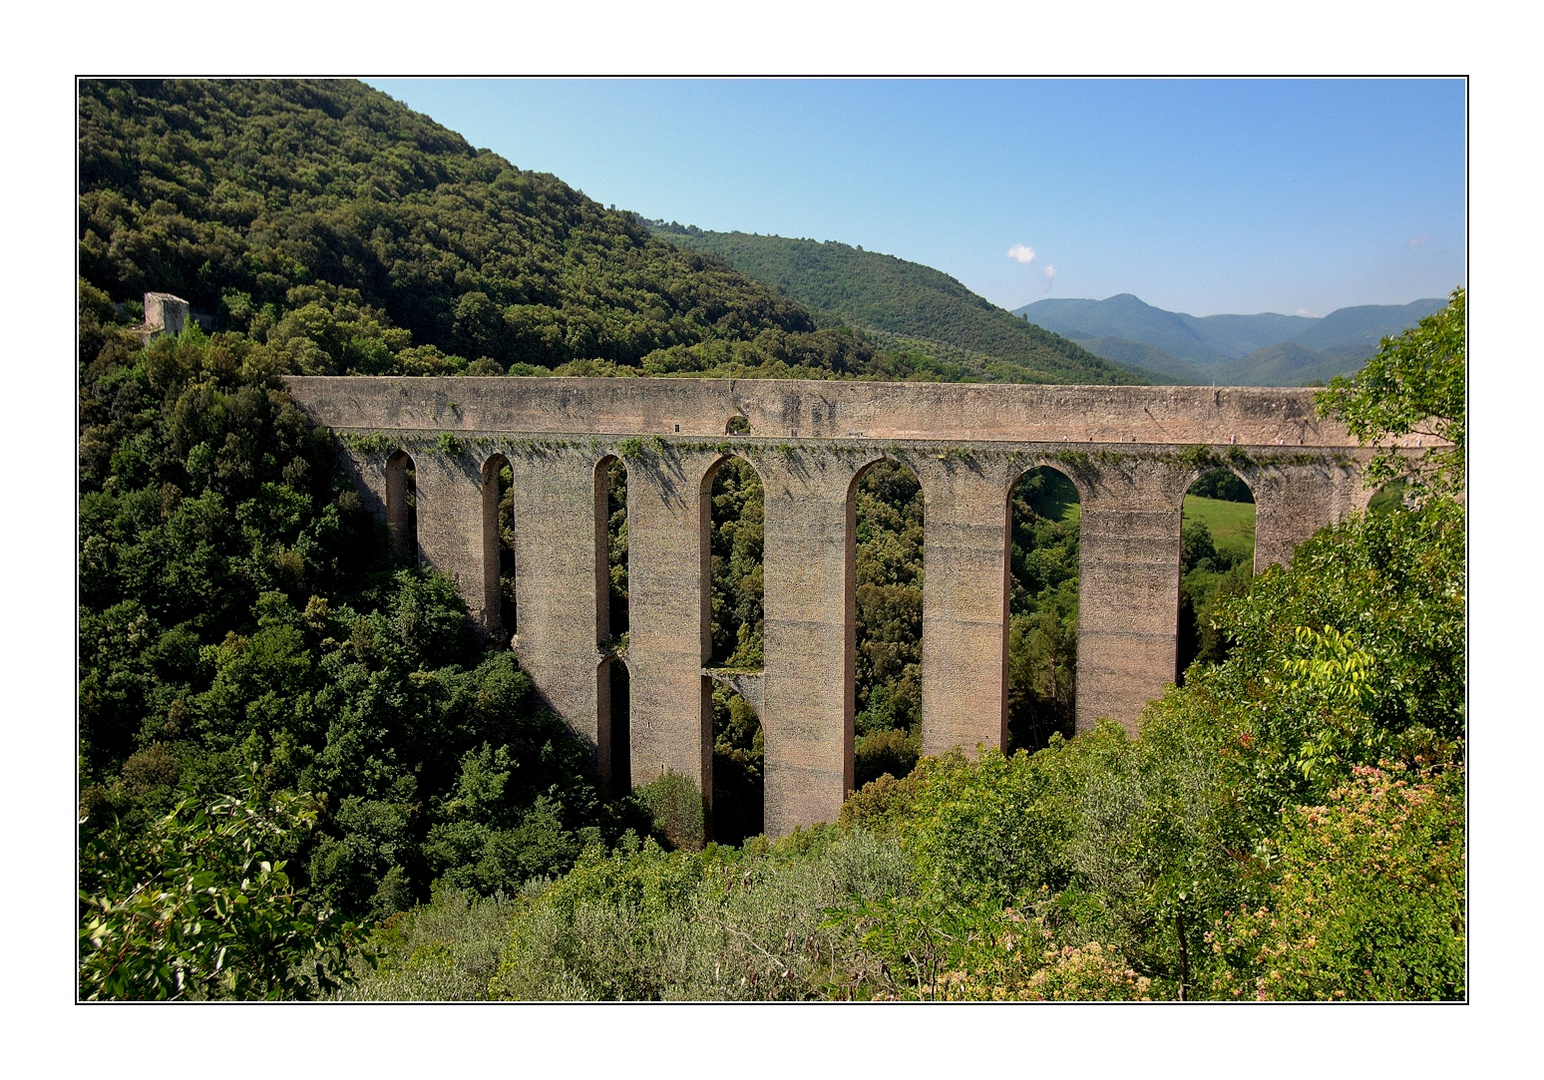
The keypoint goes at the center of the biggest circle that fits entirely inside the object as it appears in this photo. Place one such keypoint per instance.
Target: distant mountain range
(935, 326)
(1231, 350)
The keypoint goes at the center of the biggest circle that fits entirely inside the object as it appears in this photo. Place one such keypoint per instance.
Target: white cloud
(1050, 272)
(1022, 253)
(1417, 241)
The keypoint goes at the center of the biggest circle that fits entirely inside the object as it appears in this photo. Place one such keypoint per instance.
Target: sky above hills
(1200, 196)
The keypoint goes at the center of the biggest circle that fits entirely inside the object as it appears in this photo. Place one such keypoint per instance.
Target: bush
(890, 752)
(721, 924)
(193, 908)
(676, 805)
(446, 950)
(1368, 898)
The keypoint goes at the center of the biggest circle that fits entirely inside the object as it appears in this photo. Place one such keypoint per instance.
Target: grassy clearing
(1232, 524)
(1057, 499)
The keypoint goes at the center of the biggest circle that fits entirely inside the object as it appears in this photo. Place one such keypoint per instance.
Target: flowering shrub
(1093, 972)
(1368, 903)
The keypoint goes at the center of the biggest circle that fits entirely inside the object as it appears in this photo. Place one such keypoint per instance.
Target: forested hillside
(361, 237)
(937, 327)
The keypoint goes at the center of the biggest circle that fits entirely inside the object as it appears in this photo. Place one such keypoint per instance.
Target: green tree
(196, 907)
(1414, 386)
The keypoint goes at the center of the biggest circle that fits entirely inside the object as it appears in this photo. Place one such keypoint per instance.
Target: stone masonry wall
(810, 441)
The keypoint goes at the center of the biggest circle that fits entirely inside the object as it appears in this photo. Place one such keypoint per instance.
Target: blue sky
(1208, 196)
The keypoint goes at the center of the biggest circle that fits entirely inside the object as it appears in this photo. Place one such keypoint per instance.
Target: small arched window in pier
(1388, 499)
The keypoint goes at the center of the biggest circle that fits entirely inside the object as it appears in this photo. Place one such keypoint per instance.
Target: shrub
(193, 908)
(890, 752)
(1368, 901)
(446, 950)
(676, 805)
(721, 924)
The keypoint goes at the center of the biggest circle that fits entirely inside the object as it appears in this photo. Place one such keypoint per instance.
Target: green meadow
(1230, 523)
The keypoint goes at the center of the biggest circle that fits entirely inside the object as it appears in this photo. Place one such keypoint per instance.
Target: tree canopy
(1415, 385)
(361, 237)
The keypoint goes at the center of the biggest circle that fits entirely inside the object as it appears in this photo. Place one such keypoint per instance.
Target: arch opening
(498, 547)
(611, 582)
(888, 565)
(1217, 554)
(614, 753)
(734, 513)
(1045, 515)
(613, 688)
(402, 507)
(738, 757)
(1389, 499)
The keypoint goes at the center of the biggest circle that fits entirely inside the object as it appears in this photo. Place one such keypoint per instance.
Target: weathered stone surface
(671, 725)
(561, 615)
(780, 409)
(965, 590)
(808, 604)
(810, 441)
(1292, 501)
(1128, 584)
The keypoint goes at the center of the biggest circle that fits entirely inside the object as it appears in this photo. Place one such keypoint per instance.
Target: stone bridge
(1131, 451)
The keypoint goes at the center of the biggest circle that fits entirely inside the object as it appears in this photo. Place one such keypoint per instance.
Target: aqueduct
(1131, 451)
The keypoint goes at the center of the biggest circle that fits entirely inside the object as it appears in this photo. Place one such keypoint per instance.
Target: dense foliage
(194, 907)
(1288, 824)
(934, 328)
(1414, 386)
(239, 610)
(356, 236)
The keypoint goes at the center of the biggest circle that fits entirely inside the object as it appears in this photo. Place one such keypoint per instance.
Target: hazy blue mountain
(1362, 327)
(1287, 364)
(1163, 366)
(1240, 335)
(906, 307)
(1126, 317)
(1237, 350)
